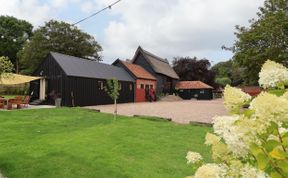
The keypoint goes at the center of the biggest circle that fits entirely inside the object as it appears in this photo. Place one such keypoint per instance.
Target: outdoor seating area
(18, 102)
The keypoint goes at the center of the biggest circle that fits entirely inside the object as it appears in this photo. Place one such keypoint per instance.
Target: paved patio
(179, 111)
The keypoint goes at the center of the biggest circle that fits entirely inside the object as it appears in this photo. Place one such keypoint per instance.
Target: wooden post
(42, 89)
(115, 109)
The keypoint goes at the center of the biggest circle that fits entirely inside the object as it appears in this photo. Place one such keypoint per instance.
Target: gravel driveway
(179, 111)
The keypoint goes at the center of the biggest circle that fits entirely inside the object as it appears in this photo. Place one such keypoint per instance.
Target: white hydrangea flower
(211, 170)
(232, 134)
(285, 95)
(211, 139)
(234, 98)
(269, 107)
(222, 123)
(251, 172)
(272, 74)
(283, 130)
(193, 157)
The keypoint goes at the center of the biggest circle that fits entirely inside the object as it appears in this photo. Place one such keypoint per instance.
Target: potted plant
(56, 97)
(58, 100)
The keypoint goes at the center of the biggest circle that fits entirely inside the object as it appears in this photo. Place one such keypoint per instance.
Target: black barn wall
(202, 94)
(53, 74)
(87, 92)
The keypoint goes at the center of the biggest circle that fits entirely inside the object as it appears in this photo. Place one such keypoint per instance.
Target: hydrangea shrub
(273, 75)
(251, 142)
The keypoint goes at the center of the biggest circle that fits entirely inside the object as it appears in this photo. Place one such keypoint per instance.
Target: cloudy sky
(167, 28)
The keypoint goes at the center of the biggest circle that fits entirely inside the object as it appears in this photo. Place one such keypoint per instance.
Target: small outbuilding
(79, 82)
(194, 89)
(145, 83)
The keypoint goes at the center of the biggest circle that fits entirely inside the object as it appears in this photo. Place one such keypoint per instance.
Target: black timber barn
(194, 89)
(159, 68)
(81, 82)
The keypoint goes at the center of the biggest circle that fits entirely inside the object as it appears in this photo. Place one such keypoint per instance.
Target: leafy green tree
(58, 37)
(265, 38)
(223, 81)
(112, 89)
(189, 68)
(228, 72)
(223, 69)
(6, 65)
(13, 34)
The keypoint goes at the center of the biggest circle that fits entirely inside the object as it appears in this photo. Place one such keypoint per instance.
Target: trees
(265, 38)
(13, 34)
(189, 68)
(6, 65)
(58, 37)
(113, 87)
(228, 72)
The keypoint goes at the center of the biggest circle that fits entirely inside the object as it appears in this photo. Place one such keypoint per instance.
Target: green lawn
(72, 142)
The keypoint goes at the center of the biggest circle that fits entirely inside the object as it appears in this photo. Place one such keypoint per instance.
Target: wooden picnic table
(9, 103)
(3, 102)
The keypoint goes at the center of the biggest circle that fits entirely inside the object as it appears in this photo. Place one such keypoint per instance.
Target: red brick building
(144, 81)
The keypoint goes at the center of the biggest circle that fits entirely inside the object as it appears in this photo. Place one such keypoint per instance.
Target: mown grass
(73, 142)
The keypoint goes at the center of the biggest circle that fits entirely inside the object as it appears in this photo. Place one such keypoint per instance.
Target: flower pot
(58, 102)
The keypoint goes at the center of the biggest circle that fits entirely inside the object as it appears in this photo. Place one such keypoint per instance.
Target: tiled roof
(251, 90)
(78, 67)
(138, 71)
(192, 85)
(158, 64)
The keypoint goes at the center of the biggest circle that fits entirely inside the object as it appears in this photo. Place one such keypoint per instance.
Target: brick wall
(140, 92)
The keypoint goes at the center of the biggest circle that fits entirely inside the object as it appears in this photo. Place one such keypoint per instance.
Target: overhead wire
(108, 7)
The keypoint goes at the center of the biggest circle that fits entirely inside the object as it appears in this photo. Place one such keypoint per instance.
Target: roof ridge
(80, 67)
(195, 82)
(158, 64)
(82, 59)
(155, 56)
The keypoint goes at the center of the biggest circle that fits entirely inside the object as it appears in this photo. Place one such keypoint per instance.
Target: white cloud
(167, 28)
(175, 27)
(59, 3)
(34, 11)
(30, 10)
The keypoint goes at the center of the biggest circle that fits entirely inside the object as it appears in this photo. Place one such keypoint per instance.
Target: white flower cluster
(285, 95)
(272, 74)
(232, 134)
(269, 107)
(193, 157)
(211, 170)
(211, 139)
(250, 172)
(242, 140)
(234, 98)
